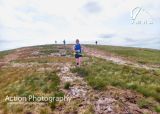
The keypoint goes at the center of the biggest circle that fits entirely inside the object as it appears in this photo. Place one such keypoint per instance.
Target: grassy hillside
(35, 71)
(140, 55)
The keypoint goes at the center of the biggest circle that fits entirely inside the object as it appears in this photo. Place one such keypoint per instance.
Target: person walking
(64, 42)
(78, 53)
(55, 41)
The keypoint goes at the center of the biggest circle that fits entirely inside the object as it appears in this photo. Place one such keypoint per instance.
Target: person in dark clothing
(55, 41)
(64, 42)
(96, 42)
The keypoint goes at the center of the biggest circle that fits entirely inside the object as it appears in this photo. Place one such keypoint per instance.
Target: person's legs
(77, 61)
(80, 60)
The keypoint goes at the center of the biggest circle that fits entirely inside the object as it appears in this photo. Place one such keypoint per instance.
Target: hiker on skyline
(64, 42)
(96, 42)
(78, 53)
(55, 41)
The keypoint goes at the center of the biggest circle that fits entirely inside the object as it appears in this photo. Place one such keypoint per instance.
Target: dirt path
(78, 91)
(116, 59)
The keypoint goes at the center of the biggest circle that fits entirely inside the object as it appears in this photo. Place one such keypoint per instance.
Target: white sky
(32, 22)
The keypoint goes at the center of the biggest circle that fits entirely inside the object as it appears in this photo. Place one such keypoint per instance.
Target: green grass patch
(143, 103)
(24, 82)
(47, 82)
(157, 108)
(80, 71)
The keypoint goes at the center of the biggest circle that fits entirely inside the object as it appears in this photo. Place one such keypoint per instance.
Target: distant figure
(64, 42)
(78, 53)
(96, 42)
(55, 42)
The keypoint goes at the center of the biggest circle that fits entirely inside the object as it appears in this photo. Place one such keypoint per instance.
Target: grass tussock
(67, 85)
(143, 103)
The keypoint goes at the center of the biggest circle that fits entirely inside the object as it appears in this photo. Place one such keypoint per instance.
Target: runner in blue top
(78, 52)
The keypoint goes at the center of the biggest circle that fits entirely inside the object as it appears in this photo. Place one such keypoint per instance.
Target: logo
(141, 16)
